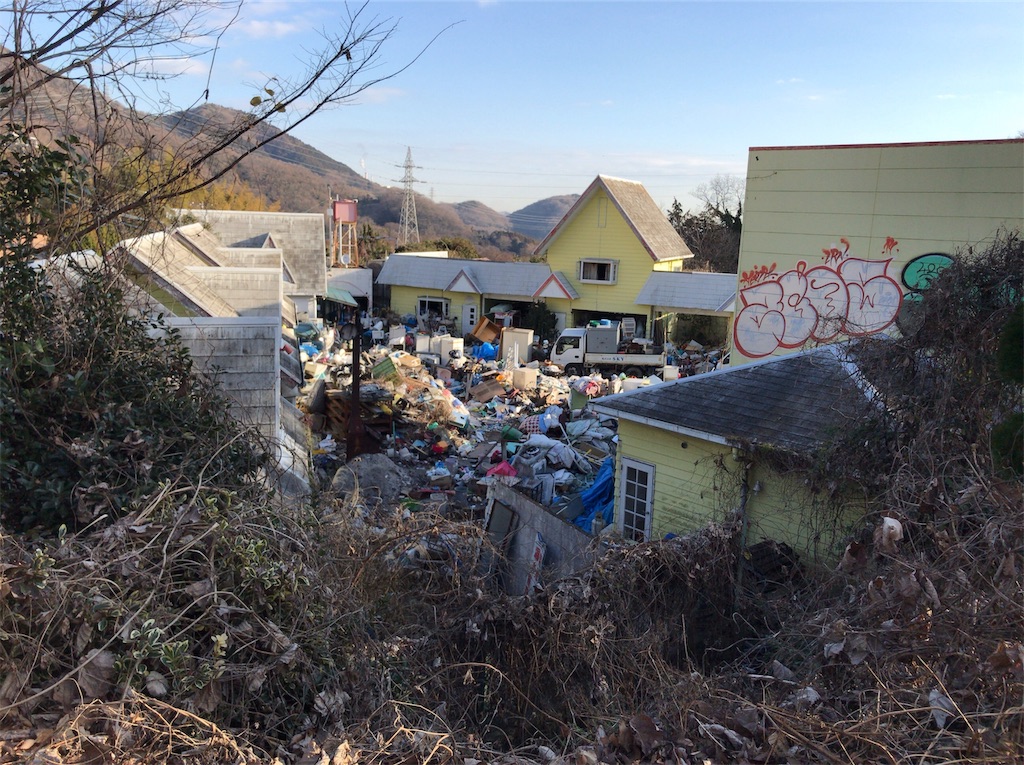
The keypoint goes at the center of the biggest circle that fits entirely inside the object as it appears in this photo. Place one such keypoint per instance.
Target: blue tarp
(599, 497)
(485, 352)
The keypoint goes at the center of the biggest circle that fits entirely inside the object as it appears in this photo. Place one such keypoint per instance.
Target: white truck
(601, 348)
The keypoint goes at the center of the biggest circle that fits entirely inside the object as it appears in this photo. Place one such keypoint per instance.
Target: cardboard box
(524, 378)
(486, 390)
(486, 331)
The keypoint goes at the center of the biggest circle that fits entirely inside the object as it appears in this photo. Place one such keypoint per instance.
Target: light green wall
(599, 231)
(890, 203)
(699, 484)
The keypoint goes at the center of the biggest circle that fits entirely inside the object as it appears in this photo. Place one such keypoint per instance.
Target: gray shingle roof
(648, 221)
(491, 278)
(795, 402)
(694, 291)
(301, 237)
(169, 261)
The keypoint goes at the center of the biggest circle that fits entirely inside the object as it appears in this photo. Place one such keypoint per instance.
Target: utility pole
(408, 227)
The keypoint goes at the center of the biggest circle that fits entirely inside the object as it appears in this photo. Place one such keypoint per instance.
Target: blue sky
(515, 101)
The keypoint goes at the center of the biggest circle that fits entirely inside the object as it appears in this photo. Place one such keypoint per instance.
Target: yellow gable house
(603, 251)
(838, 240)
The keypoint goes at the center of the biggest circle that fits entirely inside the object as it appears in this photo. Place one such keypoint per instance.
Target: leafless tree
(88, 68)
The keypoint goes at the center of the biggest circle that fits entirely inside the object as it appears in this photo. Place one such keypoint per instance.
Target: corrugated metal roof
(795, 402)
(648, 221)
(492, 278)
(689, 291)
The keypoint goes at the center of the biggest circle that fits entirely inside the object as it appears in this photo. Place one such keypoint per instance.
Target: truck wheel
(574, 369)
(634, 372)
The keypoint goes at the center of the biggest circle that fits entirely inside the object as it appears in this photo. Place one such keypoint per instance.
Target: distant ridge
(537, 220)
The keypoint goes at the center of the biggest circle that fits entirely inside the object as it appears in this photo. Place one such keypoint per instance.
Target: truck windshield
(567, 343)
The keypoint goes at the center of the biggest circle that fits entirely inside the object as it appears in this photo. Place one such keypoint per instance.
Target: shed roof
(796, 402)
(643, 215)
(695, 291)
(479, 276)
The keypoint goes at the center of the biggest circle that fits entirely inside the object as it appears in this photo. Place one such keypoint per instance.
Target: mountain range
(300, 178)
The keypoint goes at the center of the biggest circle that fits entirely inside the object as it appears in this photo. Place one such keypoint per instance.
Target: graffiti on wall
(842, 296)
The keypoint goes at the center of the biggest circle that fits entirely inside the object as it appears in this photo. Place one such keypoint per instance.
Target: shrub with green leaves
(98, 404)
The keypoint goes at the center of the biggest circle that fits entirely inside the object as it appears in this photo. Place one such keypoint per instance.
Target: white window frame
(613, 270)
(422, 308)
(636, 498)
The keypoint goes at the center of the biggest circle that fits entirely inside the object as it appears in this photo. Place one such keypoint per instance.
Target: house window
(637, 499)
(598, 271)
(433, 306)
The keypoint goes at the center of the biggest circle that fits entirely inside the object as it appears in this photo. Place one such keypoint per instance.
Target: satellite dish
(346, 259)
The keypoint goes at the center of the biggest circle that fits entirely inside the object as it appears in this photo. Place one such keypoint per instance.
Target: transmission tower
(408, 227)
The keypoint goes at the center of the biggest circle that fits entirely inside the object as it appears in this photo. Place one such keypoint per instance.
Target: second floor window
(598, 271)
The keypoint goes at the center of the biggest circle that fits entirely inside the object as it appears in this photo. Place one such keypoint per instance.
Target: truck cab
(569, 349)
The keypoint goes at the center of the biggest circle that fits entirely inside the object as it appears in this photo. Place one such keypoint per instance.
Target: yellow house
(739, 440)
(837, 240)
(605, 248)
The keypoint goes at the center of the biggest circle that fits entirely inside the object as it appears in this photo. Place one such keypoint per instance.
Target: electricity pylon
(408, 227)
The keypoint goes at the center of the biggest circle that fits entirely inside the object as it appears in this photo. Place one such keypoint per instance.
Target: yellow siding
(669, 265)
(406, 299)
(890, 203)
(690, 489)
(600, 231)
(701, 484)
(782, 508)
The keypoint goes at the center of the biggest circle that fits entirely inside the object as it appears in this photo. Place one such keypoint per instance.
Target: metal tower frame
(408, 225)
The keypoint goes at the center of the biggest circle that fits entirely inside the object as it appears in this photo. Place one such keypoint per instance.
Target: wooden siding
(701, 484)
(242, 355)
(890, 203)
(690, 490)
(815, 524)
(584, 238)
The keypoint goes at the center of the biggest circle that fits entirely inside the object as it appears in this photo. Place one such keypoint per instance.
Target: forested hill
(300, 178)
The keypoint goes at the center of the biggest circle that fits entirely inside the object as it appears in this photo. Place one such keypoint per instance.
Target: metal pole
(356, 429)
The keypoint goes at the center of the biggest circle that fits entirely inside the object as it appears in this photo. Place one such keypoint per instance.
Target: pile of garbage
(453, 420)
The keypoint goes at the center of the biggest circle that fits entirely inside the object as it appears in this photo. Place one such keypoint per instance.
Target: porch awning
(339, 295)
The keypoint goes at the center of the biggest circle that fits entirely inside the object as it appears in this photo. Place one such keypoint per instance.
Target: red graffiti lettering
(850, 296)
(757, 274)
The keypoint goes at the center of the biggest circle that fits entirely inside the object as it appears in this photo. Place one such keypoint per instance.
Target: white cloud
(173, 66)
(790, 81)
(264, 30)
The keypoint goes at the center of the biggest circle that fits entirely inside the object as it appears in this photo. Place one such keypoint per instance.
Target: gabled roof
(796, 402)
(643, 215)
(300, 236)
(489, 277)
(463, 282)
(169, 262)
(693, 291)
(557, 286)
